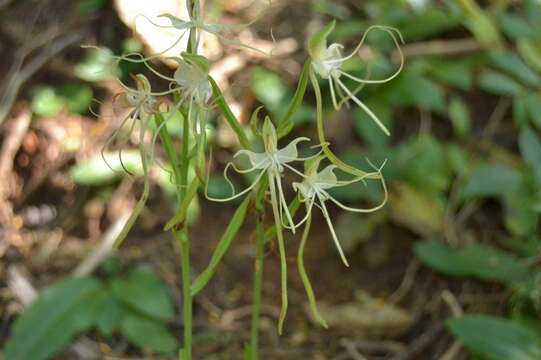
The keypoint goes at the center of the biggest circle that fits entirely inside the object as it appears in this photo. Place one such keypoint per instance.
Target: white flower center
(328, 63)
(194, 83)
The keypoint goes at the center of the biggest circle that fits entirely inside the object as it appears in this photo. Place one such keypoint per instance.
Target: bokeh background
(449, 269)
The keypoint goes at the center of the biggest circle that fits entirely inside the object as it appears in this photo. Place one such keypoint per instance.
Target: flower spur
(327, 62)
(315, 186)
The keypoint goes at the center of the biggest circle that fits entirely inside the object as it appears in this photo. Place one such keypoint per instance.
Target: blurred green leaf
(491, 180)
(520, 111)
(520, 216)
(460, 116)
(367, 129)
(77, 97)
(423, 164)
(45, 101)
(515, 26)
(495, 338)
(97, 66)
(530, 147)
(150, 335)
(457, 73)
(533, 106)
(143, 291)
(108, 312)
(512, 64)
(458, 159)
(268, 87)
(416, 209)
(475, 260)
(90, 6)
(223, 245)
(530, 50)
(413, 89)
(481, 24)
(498, 84)
(62, 311)
(97, 171)
(431, 22)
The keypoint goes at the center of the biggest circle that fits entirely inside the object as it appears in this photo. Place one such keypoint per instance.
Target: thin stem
(321, 134)
(182, 238)
(258, 286)
(304, 276)
(282, 251)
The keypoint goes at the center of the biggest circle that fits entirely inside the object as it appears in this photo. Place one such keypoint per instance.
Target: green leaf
(460, 116)
(512, 64)
(533, 106)
(318, 41)
(495, 338)
(98, 65)
(108, 312)
(223, 245)
(516, 27)
(97, 171)
(475, 260)
(62, 311)
(45, 101)
(367, 129)
(530, 50)
(416, 209)
(413, 89)
(431, 22)
(530, 147)
(77, 97)
(143, 291)
(296, 101)
(520, 216)
(491, 180)
(498, 84)
(457, 73)
(423, 164)
(150, 335)
(268, 87)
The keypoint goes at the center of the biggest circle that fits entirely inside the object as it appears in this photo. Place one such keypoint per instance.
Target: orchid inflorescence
(195, 93)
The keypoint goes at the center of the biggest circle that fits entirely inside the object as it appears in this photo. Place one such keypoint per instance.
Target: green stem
(282, 251)
(182, 238)
(258, 286)
(321, 134)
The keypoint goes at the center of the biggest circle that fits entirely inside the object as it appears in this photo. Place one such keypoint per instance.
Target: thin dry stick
(104, 249)
(457, 311)
(439, 48)
(52, 50)
(407, 283)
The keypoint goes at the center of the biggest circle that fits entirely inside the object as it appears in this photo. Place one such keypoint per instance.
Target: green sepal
(318, 41)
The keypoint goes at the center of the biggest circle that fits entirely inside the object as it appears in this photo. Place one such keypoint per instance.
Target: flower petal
(290, 152)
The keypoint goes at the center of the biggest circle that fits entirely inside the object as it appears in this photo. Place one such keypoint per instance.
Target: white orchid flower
(271, 162)
(314, 188)
(140, 103)
(327, 62)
